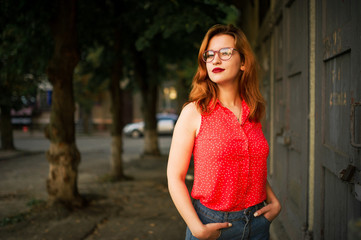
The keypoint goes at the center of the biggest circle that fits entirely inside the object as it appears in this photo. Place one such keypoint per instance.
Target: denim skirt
(244, 224)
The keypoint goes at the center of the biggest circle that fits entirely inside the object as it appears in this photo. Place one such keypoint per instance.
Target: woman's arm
(178, 163)
(273, 207)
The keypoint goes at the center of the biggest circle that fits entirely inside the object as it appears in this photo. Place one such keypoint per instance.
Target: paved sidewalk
(135, 210)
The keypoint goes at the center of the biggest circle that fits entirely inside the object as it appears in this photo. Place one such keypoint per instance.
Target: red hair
(204, 90)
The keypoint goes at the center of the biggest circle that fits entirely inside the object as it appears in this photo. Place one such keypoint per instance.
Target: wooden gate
(338, 117)
(290, 151)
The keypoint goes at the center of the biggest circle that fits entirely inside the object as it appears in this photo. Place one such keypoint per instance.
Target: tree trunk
(149, 103)
(149, 89)
(63, 154)
(117, 172)
(7, 138)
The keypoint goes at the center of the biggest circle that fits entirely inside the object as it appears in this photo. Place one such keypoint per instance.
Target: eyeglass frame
(217, 52)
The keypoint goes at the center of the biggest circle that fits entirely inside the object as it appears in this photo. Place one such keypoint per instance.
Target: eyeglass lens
(224, 54)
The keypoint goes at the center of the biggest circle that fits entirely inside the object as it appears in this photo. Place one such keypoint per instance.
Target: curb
(6, 155)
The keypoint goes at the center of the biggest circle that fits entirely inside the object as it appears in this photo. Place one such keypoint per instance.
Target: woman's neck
(229, 96)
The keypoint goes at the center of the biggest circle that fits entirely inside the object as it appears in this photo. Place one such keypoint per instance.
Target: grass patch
(35, 202)
(107, 178)
(14, 219)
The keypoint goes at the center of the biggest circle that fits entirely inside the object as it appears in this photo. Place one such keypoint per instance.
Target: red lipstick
(217, 70)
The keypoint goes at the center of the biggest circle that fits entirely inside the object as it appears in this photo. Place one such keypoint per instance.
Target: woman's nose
(216, 59)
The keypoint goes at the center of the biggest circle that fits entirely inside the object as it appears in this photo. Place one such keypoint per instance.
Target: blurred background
(83, 68)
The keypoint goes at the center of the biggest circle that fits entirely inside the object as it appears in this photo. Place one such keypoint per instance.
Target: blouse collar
(245, 110)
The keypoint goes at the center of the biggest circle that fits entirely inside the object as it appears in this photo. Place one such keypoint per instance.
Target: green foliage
(12, 220)
(179, 22)
(165, 32)
(18, 92)
(88, 80)
(35, 202)
(24, 49)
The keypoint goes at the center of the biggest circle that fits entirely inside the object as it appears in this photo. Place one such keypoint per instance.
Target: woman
(221, 126)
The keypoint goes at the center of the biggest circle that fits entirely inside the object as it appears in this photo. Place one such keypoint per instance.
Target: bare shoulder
(190, 117)
(190, 110)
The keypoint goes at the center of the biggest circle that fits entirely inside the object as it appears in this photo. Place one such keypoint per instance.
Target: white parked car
(166, 123)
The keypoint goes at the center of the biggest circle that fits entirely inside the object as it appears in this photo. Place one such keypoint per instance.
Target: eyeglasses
(223, 53)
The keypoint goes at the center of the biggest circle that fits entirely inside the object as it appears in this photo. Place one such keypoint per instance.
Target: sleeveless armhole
(203, 116)
(199, 126)
(199, 130)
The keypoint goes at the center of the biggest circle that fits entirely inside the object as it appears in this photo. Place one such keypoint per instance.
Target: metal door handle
(352, 122)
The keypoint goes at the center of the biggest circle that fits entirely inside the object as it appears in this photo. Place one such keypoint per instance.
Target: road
(26, 173)
(137, 209)
(97, 142)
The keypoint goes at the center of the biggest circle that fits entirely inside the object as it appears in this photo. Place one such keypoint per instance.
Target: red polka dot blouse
(230, 161)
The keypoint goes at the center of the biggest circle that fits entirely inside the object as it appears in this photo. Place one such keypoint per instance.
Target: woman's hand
(211, 231)
(270, 211)
(273, 207)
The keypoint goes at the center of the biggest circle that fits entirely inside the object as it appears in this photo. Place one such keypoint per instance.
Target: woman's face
(221, 71)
